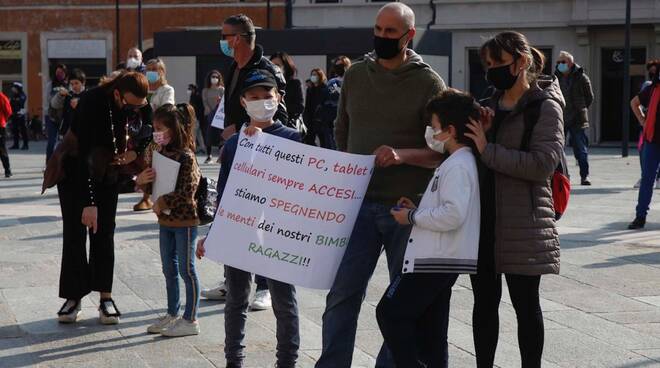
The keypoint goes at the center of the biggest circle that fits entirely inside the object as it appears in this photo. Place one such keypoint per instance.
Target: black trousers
(80, 276)
(18, 126)
(524, 292)
(4, 156)
(413, 317)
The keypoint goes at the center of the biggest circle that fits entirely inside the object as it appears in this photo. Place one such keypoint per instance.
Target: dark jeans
(650, 162)
(325, 132)
(177, 253)
(213, 138)
(52, 133)
(375, 230)
(580, 143)
(413, 316)
(285, 308)
(78, 276)
(262, 282)
(19, 128)
(641, 160)
(4, 156)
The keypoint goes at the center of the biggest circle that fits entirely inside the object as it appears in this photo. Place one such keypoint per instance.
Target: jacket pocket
(583, 116)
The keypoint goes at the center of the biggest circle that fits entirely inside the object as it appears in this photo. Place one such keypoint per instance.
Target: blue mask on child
(226, 49)
(152, 76)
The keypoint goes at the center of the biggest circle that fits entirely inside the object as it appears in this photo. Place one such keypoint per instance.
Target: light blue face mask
(224, 47)
(562, 67)
(152, 76)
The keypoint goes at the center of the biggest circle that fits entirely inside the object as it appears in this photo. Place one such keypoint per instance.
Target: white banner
(219, 117)
(288, 210)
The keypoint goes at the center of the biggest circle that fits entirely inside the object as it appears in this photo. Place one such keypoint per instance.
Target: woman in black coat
(88, 194)
(293, 99)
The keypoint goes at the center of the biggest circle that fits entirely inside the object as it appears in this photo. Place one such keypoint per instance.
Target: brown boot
(143, 205)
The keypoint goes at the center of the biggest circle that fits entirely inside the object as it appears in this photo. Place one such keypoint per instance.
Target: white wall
(305, 64)
(440, 64)
(181, 71)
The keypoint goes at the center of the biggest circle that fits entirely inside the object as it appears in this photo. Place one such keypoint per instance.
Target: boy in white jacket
(413, 314)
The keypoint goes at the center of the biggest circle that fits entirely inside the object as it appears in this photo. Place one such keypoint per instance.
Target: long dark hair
(207, 81)
(518, 46)
(290, 69)
(180, 120)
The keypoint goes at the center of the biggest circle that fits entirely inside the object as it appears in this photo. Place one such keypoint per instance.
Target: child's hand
(201, 251)
(156, 208)
(251, 130)
(146, 177)
(401, 215)
(405, 202)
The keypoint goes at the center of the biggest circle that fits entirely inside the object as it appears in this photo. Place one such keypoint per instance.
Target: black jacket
(315, 97)
(578, 94)
(294, 98)
(234, 112)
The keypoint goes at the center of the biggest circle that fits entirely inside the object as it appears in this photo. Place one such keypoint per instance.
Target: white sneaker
(162, 324)
(69, 312)
(219, 293)
(182, 327)
(261, 301)
(638, 184)
(108, 312)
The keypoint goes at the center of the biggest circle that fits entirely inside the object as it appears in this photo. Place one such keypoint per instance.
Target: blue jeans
(375, 230)
(650, 162)
(580, 143)
(177, 252)
(52, 131)
(285, 308)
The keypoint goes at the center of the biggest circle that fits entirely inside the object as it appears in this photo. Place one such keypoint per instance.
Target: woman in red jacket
(5, 113)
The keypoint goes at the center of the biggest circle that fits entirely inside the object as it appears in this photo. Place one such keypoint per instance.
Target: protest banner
(288, 210)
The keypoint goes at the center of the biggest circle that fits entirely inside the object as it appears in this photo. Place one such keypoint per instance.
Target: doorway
(611, 91)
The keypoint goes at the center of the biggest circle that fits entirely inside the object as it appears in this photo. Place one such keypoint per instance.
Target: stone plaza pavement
(602, 311)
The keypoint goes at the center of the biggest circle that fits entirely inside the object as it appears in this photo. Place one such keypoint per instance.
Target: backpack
(561, 183)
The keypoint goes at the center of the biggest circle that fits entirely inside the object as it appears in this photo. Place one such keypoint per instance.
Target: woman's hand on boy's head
(145, 177)
(405, 202)
(400, 215)
(251, 130)
(486, 115)
(478, 135)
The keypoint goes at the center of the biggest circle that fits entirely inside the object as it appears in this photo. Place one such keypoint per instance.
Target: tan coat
(526, 237)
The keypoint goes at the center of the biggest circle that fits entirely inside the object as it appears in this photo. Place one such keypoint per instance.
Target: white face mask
(132, 63)
(214, 81)
(434, 144)
(261, 110)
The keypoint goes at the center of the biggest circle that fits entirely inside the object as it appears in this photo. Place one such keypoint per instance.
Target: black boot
(8, 174)
(638, 223)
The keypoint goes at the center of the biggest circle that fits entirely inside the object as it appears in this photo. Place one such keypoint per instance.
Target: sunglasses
(224, 36)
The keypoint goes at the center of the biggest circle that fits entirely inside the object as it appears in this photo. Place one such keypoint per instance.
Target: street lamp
(626, 87)
(139, 9)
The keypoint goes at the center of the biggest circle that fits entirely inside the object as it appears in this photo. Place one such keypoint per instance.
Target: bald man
(381, 112)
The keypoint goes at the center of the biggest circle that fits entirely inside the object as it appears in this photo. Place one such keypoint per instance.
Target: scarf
(649, 125)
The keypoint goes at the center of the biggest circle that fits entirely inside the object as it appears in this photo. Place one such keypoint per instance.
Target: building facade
(591, 30)
(36, 35)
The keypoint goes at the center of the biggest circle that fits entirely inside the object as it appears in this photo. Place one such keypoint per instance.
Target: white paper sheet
(167, 171)
(219, 117)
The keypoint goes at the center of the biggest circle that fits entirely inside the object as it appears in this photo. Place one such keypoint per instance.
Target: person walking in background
(313, 100)
(161, 94)
(211, 96)
(58, 83)
(327, 111)
(66, 100)
(295, 104)
(576, 88)
(649, 99)
(177, 217)
(134, 61)
(5, 113)
(389, 124)
(195, 100)
(18, 117)
(519, 236)
(635, 105)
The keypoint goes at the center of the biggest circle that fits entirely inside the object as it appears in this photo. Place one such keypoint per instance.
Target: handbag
(54, 172)
(207, 200)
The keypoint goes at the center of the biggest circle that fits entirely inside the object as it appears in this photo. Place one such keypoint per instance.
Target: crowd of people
(460, 186)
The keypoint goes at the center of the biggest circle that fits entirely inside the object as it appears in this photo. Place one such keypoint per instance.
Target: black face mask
(501, 78)
(387, 48)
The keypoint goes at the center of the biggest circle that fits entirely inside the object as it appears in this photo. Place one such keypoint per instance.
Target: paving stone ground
(602, 311)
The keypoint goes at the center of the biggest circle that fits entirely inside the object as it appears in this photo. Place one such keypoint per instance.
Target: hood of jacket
(381, 76)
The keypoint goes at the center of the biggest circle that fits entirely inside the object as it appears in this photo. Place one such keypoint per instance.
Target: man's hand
(201, 250)
(147, 176)
(90, 218)
(387, 156)
(401, 215)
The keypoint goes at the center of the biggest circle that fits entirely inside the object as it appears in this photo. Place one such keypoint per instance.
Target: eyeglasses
(225, 35)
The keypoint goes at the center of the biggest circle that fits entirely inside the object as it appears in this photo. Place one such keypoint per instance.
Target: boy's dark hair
(244, 25)
(77, 74)
(180, 120)
(454, 107)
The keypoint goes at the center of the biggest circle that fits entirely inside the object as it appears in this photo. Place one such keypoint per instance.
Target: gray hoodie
(387, 107)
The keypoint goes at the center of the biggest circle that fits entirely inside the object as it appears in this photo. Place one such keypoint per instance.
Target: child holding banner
(177, 217)
(413, 314)
(260, 99)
